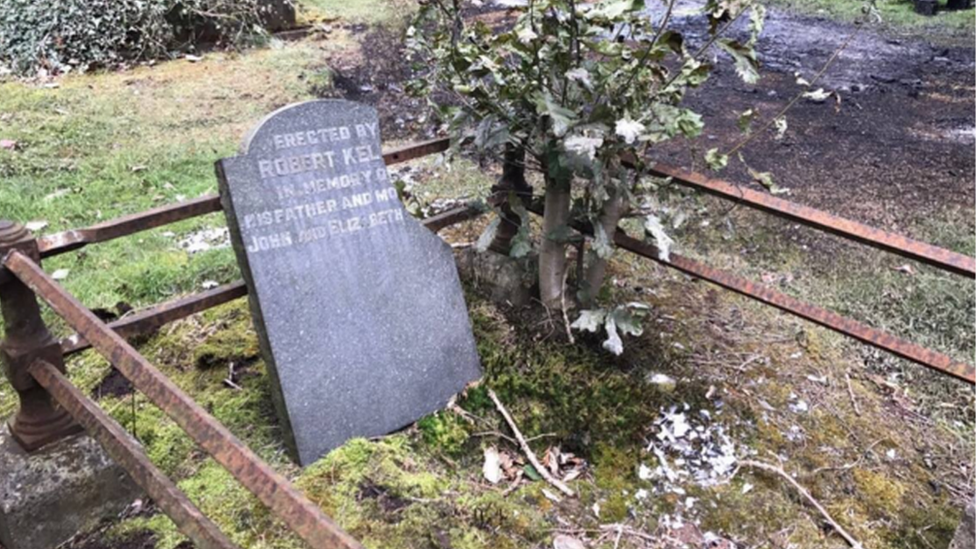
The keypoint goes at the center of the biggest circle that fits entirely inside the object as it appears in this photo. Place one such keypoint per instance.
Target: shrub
(62, 35)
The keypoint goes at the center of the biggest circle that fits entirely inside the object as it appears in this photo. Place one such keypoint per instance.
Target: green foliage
(575, 87)
(64, 35)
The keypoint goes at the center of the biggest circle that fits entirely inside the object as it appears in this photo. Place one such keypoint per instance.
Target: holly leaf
(818, 95)
(745, 121)
(716, 160)
(780, 127)
(626, 321)
(746, 64)
(613, 342)
(589, 320)
(562, 118)
(601, 242)
(766, 180)
(653, 227)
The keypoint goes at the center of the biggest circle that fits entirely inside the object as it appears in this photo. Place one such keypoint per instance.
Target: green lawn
(896, 15)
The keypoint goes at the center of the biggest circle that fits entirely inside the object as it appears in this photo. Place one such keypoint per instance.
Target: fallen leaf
(572, 475)
(492, 467)
(60, 274)
(35, 225)
(551, 496)
(56, 194)
(138, 168)
(193, 58)
(551, 460)
(562, 541)
(8, 144)
(906, 268)
(818, 95)
(532, 473)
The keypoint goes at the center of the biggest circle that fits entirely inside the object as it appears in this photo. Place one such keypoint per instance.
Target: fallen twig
(816, 504)
(850, 391)
(569, 330)
(556, 483)
(624, 529)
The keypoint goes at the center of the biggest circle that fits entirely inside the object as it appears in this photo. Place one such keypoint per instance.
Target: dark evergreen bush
(61, 35)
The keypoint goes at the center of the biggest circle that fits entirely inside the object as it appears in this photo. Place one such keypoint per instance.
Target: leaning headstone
(358, 308)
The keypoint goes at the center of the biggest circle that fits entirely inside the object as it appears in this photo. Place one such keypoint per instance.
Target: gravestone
(358, 307)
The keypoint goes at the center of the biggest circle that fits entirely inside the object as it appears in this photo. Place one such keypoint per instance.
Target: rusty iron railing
(34, 361)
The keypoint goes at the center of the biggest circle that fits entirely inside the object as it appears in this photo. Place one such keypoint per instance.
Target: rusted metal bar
(890, 242)
(129, 454)
(300, 514)
(59, 243)
(415, 150)
(451, 217)
(828, 319)
(150, 319)
(66, 241)
(26, 338)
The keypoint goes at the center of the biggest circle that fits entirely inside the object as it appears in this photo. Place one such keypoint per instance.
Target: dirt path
(897, 148)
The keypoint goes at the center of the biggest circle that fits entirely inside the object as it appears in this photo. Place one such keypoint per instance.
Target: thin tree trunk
(613, 210)
(552, 254)
(512, 181)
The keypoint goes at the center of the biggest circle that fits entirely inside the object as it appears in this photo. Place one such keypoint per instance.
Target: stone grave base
(66, 487)
(507, 279)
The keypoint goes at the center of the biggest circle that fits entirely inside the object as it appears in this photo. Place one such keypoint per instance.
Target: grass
(896, 15)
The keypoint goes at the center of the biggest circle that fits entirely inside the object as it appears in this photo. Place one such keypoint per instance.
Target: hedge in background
(62, 35)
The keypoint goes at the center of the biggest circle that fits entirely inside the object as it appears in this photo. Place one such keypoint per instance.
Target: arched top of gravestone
(312, 114)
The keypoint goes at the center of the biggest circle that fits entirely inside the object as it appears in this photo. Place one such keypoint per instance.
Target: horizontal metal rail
(852, 230)
(59, 243)
(272, 489)
(150, 319)
(828, 319)
(129, 454)
(833, 321)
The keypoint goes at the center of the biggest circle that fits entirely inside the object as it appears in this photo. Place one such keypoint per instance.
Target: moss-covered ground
(893, 471)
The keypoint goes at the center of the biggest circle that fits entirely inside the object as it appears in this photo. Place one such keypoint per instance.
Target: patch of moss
(445, 431)
(880, 494)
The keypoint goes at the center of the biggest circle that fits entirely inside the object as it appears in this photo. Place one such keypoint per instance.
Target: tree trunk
(512, 181)
(613, 210)
(552, 254)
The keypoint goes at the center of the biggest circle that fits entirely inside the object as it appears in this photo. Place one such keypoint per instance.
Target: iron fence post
(38, 421)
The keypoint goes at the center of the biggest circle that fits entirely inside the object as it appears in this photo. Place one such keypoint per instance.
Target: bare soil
(894, 146)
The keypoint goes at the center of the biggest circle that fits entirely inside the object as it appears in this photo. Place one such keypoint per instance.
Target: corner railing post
(38, 421)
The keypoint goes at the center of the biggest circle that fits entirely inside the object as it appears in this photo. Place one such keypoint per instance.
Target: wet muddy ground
(894, 146)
